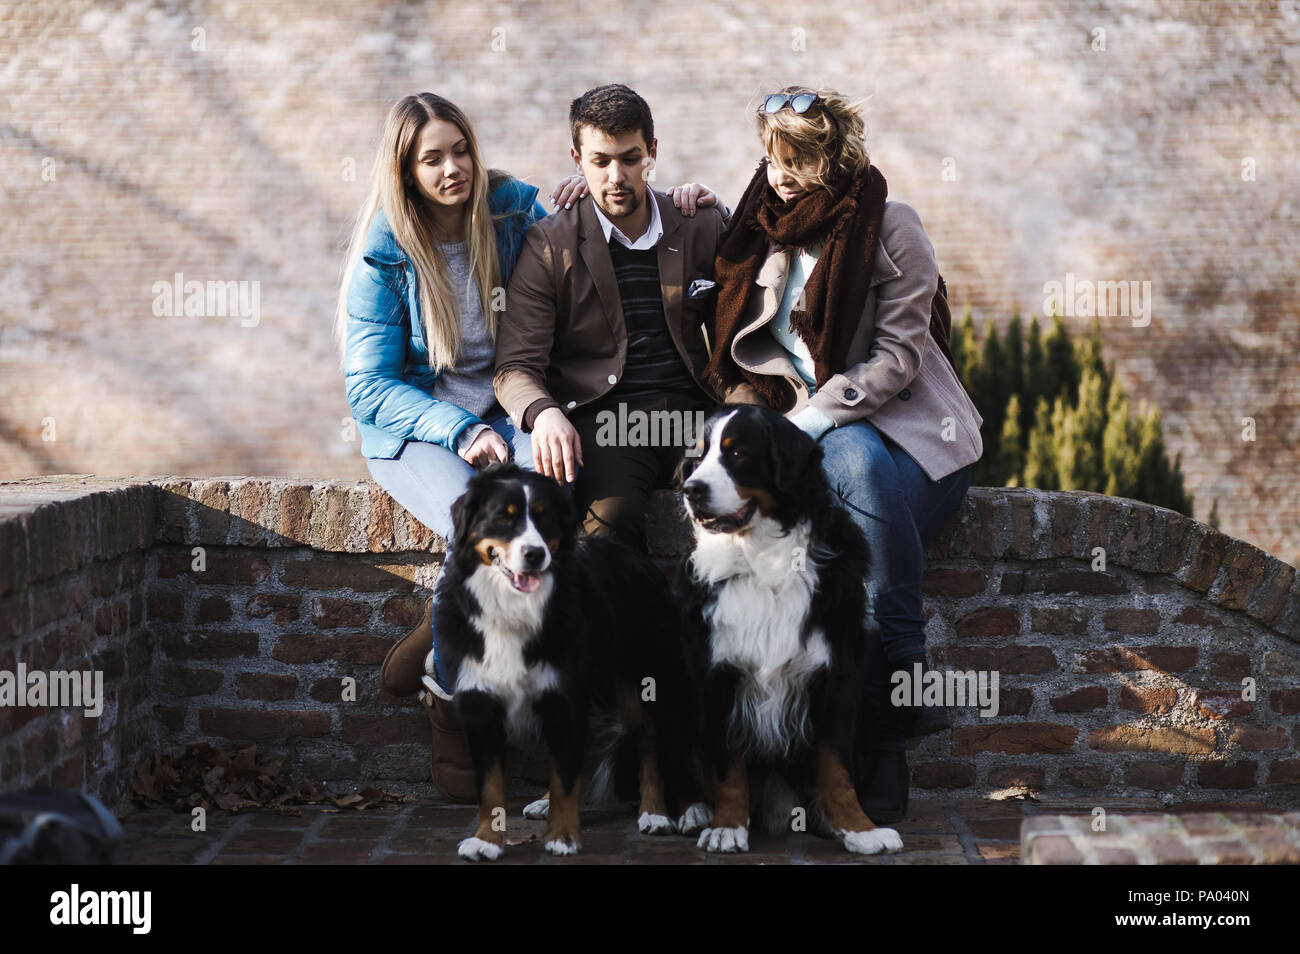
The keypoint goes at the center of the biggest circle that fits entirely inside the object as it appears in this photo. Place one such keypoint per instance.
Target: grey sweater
(469, 383)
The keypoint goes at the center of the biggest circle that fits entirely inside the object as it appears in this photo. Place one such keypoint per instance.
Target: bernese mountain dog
(774, 594)
(543, 632)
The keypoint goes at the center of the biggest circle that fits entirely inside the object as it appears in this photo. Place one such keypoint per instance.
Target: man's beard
(615, 214)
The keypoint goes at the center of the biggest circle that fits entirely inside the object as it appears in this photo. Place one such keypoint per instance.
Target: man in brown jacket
(601, 347)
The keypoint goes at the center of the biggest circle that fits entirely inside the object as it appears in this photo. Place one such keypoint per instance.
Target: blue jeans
(900, 510)
(427, 478)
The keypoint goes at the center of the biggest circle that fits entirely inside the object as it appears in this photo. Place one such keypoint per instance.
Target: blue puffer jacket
(388, 378)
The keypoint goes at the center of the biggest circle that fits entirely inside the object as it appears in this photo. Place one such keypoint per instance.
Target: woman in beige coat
(824, 313)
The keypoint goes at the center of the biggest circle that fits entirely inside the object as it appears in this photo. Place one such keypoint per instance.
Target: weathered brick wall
(1126, 680)
(74, 570)
(128, 155)
(1119, 681)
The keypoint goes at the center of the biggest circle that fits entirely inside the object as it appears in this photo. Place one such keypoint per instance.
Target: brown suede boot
(404, 665)
(453, 768)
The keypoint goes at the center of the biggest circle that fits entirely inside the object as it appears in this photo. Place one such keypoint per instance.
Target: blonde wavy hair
(826, 142)
(393, 189)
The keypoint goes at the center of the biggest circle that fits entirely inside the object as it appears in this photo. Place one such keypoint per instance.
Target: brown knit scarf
(847, 220)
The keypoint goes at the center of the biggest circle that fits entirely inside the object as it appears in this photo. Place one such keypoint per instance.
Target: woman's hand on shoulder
(570, 190)
(690, 196)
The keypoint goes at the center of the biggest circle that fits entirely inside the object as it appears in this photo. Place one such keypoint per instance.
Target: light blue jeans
(427, 478)
(900, 510)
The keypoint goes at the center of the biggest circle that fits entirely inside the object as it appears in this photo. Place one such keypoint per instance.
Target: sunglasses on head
(799, 102)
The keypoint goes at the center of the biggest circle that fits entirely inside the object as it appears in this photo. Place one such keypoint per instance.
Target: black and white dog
(540, 631)
(774, 591)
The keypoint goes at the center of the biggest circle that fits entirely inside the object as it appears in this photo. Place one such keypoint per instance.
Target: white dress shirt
(653, 232)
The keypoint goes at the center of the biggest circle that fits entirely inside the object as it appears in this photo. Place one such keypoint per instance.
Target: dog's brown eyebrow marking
(727, 442)
(512, 509)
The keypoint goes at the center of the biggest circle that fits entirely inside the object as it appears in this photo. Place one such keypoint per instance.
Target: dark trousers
(622, 466)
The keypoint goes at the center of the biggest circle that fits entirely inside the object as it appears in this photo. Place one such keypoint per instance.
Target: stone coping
(55, 524)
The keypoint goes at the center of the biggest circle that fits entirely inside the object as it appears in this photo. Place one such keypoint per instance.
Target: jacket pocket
(942, 385)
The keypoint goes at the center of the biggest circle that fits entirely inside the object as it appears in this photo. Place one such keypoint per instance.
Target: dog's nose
(697, 492)
(533, 557)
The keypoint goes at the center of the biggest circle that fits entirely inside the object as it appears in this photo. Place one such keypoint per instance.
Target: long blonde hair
(391, 190)
(828, 139)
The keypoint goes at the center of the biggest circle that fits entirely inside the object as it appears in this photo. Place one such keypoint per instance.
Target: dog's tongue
(526, 582)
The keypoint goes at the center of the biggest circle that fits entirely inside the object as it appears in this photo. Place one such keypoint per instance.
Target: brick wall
(74, 570)
(1119, 681)
(128, 155)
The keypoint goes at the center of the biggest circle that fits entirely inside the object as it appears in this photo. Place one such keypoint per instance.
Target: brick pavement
(936, 832)
(1201, 838)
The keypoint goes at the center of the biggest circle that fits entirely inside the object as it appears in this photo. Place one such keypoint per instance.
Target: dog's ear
(568, 518)
(560, 508)
(462, 510)
(796, 457)
(687, 465)
(692, 456)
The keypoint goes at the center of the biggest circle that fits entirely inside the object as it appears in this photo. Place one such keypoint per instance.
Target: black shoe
(928, 721)
(883, 786)
(917, 720)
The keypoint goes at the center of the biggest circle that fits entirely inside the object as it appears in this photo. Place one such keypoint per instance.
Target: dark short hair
(612, 109)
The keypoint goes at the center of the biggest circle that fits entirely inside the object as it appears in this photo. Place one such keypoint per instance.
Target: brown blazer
(895, 376)
(562, 340)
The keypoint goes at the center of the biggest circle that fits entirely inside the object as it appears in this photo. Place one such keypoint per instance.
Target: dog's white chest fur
(764, 582)
(508, 621)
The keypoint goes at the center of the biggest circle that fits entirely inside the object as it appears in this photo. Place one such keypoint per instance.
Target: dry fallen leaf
(211, 776)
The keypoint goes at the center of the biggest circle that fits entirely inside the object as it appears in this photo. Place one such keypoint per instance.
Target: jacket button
(572, 404)
(613, 379)
(850, 394)
(904, 394)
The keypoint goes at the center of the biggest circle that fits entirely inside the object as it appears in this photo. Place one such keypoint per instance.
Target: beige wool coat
(895, 375)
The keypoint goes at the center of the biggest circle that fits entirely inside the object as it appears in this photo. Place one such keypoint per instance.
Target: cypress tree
(1063, 441)
(1063, 372)
(1036, 385)
(1040, 467)
(1011, 457)
(1013, 349)
(1086, 463)
(1157, 481)
(1119, 453)
(965, 352)
(993, 391)
(1057, 417)
(1088, 354)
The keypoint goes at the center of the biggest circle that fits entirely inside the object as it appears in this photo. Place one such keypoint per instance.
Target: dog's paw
(649, 824)
(695, 819)
(562, 846)
(872, 842)
(476, 849)
(538, 809)
(724, 840)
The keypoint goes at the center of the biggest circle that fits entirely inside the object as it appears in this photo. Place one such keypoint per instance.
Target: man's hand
(569, 191)
(557, 449)
(692, 195)
(488, 447)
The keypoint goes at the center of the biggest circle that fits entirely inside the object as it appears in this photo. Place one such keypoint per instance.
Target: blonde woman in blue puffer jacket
(424, 281)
